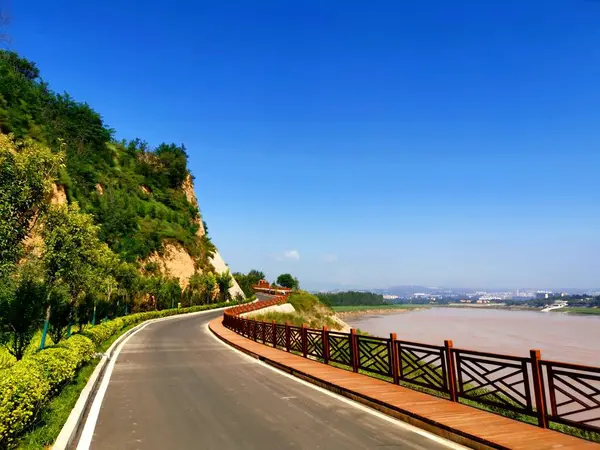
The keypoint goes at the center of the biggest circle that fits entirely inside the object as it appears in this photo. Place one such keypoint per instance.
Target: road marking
(90, 425)
(406, 426)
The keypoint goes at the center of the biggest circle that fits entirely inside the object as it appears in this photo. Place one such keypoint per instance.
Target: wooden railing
(521, 387)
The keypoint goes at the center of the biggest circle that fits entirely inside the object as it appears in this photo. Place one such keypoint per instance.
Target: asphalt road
(176, 387)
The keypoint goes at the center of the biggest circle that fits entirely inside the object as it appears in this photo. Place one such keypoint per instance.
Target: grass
(316, 321)
(358, 308)
(580, 310)
(309, 310)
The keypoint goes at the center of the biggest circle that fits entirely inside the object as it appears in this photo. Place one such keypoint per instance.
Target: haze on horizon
(429, 143)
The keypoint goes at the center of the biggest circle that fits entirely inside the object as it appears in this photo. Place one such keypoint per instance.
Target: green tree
(288, 281)
(58, 302)
(170, 292)
(246, 282)
(351, 298)
(174, 164)
(254, 276)
(209, 282)
(128, 279)
(21, 308)
(27, 170)
(225, 283)
(196, 290)
(73, 255)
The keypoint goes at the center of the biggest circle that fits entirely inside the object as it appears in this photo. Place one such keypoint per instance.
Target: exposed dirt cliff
(175, 261)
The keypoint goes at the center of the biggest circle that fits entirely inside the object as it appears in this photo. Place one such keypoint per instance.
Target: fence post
(274, 333)
(304, 341)
(354, 350)
(287, 336)
(255, 322)
(325, 340)
(450, 371)
(394, 357)
(538, 388)
(264, 331)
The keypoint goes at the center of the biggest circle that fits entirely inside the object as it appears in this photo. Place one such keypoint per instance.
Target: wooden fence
(546, 391)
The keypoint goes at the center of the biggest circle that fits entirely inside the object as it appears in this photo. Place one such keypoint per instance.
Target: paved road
(176, 387)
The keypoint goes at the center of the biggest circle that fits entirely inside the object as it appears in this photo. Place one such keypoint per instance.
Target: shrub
(23, 391)
(82, 346)
(34, 345)
(6, 359)
(100, 333)
(305, 302)
(56, 364)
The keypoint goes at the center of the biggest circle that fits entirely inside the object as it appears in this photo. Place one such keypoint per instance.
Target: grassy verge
(582, 310)
(309, 310)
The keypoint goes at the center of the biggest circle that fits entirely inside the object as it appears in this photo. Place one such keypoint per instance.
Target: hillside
(303, 308)
(141, 198)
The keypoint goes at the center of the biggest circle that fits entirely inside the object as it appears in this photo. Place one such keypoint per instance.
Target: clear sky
(366, 144)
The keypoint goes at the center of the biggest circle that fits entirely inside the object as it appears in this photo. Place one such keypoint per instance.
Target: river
(560, 337)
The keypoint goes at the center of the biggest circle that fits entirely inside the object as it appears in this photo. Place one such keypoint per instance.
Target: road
(175, 386)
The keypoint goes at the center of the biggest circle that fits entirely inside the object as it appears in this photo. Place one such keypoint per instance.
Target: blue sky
(358, 144)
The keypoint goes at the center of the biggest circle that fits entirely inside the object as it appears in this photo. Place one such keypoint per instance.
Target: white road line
(90, 425)
(406, 426)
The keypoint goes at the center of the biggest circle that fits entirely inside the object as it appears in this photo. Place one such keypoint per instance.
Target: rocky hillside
(142, 198)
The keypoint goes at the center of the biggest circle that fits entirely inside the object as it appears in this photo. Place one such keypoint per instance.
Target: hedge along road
(176, 386)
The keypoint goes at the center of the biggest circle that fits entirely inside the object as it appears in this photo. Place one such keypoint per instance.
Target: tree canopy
(27, 170)
(351, 298)
(288, 281)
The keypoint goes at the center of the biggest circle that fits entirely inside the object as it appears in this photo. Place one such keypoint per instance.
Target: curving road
(175, 386)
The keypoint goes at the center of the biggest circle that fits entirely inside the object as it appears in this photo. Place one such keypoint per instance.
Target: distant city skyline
(523, 290)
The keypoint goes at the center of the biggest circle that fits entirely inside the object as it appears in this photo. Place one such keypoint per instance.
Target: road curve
(175, 386)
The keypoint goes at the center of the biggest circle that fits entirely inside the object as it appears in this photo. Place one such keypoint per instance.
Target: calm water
(559, 336)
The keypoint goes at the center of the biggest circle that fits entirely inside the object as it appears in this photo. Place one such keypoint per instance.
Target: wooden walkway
(459, 423)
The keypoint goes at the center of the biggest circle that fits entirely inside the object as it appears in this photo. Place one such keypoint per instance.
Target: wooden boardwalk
(460, 423)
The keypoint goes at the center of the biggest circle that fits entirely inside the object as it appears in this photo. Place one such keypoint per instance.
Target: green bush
(80, 345)
(23, 391)
(304, 302)
(57, 365)
(6, 359)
